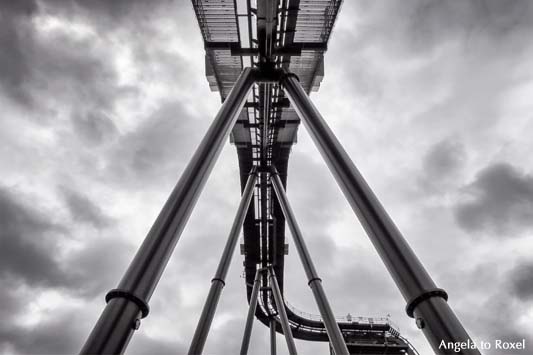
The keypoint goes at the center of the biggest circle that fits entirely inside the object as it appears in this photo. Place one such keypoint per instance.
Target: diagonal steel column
(219, 280)
(425, 301)
(280, 305)
(127, 304)
(251, 313)
(332, 328)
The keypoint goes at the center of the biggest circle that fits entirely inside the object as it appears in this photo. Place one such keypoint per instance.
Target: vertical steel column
(314, 281)
(280, 305)
(219, 280)
(251, 312)
(129, 302)
(425, 301)
(272, 337)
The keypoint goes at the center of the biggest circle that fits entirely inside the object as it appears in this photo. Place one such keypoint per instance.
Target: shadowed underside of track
(291, 35)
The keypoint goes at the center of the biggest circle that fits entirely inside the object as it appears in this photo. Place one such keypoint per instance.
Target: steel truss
(128, 304)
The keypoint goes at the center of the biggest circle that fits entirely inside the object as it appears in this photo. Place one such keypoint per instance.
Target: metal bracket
(119, 293)
(413, 303)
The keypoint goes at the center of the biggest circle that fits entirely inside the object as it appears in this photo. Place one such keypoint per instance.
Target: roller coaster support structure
(315, 283)
(219, 280)
(425, 302)
(128, 303)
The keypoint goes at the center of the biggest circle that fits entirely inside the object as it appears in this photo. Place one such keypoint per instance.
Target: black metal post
(280, 305)
(272, 337)
(332, 328)
(251, 313)
(425, 301)
(219, 280)
(127, 304)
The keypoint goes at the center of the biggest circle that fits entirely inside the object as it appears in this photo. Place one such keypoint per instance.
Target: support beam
(280, 305)
(315, 283)
(127, 304)
(219, 280)
(425, 301)
(251, 313)
(272, 337)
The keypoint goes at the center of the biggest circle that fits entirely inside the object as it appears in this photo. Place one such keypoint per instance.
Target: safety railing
(348, 318)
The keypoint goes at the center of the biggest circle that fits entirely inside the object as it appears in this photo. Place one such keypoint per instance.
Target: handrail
(346, 319)
(411, 347)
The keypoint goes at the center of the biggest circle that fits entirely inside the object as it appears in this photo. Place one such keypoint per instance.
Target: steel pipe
(272, 337)
(251, 313)
(315, 283)
(280, 305)
(219, 280)
(425, 301)
(127, 304)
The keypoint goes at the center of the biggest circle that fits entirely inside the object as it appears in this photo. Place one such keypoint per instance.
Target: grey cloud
(522, 281)
(24, 253)
(143, 344)
(84, 210)
(417, 25)
(466, 18)
(107, 13)
(442, 163)
(501, 202)
(11, 302)
(98, 267)
(28, 253)
(18, 8)
(499, 322)
(444, 158)
(15, 34)
(94, 126)
(150, 151)
(59, 333)
(34, 64)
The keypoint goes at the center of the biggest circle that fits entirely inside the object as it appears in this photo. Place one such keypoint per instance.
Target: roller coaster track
(265, 57)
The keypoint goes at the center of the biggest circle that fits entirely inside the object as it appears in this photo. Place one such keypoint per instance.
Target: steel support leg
(251, 313)
(425, 301)
(129, 302)
(272, 337)
(334, 333)
(280, 305)
(218, 282)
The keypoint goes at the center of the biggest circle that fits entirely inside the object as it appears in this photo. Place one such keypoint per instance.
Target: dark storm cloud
(502, 202)
(82, 209)
(522, 281)
(25, 253)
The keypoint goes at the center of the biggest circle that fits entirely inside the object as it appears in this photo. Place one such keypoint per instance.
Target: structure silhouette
(264, 57)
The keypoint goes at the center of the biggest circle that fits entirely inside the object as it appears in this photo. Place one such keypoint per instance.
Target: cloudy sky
(103, 103)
